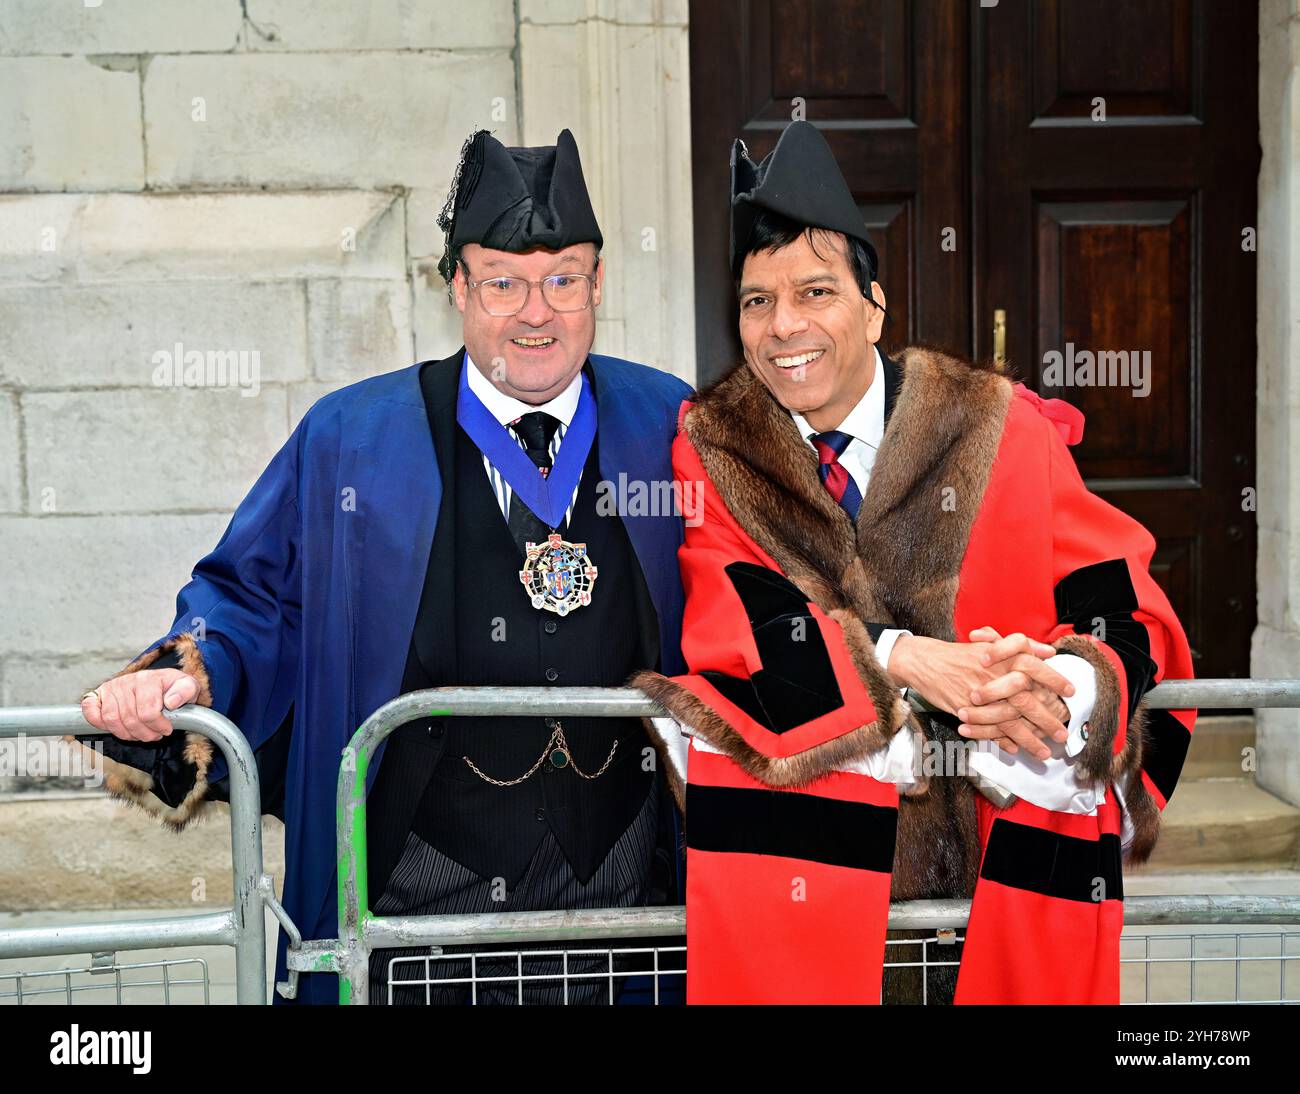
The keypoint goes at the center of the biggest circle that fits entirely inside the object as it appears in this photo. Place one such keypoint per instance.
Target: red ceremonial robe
(975, 515)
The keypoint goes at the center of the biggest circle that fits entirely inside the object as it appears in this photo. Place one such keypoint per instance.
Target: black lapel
(440, 383)
(409, 756)
(647, 615)
(893, 378)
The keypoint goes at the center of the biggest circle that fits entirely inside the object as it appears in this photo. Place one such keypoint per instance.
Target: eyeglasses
(503, 296)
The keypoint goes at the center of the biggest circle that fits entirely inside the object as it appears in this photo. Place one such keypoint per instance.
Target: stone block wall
(212, 212)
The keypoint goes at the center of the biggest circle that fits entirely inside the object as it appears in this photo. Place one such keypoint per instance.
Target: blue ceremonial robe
(308, 601)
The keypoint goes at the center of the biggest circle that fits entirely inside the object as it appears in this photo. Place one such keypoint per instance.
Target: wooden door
(1087, 167)
(1120, 155)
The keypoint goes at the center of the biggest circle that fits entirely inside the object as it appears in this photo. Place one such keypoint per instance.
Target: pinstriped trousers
(427, 882)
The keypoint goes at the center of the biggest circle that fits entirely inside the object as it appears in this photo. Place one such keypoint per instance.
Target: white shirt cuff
(1084, 678)
(885, 646)
(676, 742)
(1051, 783)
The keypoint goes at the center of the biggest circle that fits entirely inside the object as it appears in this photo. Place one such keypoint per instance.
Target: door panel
(1144, 321)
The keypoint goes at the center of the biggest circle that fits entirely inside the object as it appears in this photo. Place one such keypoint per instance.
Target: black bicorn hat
(799, 179)
(515, 199)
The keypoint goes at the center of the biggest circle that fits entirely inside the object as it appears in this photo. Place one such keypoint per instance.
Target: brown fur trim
(899, 566)
(902, 565)
(937, 851)
(1097, 759)
(892, 714)
(780, 771)
(132, 785)
(766, 475)
(1144, 815)
(928, 484)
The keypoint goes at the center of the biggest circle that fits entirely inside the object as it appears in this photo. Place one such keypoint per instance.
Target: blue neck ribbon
(547, 496)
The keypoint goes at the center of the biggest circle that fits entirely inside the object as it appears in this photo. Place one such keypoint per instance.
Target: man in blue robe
(451, 523)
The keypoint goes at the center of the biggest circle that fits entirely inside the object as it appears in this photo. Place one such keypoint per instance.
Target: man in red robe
(869, 532)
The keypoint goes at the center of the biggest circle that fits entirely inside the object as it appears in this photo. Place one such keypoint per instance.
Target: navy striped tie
(834, 475)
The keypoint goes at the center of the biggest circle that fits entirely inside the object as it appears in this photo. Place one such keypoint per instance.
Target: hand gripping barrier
(242, 926)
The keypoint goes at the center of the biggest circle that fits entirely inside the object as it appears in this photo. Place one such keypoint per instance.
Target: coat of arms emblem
(557, 575)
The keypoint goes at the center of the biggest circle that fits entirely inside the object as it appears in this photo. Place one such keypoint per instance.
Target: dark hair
(772, 231)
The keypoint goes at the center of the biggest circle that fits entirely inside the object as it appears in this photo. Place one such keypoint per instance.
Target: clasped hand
(1000, 687)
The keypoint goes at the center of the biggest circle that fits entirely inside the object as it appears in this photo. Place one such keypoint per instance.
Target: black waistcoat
(476, 627)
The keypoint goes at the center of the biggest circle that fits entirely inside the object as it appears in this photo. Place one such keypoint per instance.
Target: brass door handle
(1000, 336)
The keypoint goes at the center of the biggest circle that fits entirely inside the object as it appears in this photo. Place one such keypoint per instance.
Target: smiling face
(806, 328)
(535, 354)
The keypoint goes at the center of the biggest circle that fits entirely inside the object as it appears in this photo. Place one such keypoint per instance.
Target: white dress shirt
(866, 425)
(506, 409)
(1050, 783)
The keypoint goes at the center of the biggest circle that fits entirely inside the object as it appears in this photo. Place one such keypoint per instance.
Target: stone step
(1220, 747)
(1227, 824)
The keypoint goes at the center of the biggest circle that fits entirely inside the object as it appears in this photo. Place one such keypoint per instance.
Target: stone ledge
(90, 851)
(1217, 748)
(217, 235)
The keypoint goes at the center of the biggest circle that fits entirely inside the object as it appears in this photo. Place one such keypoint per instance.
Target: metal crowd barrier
(361, 931)
(242, 926)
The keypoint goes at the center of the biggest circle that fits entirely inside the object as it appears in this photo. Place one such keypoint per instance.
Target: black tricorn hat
(798, 179)
(514, 199)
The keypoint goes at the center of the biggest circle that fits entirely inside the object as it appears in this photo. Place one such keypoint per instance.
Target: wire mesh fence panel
(1256, 966)
(922, 969)
(598, 975)
(177, 982)
(1192, 968)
